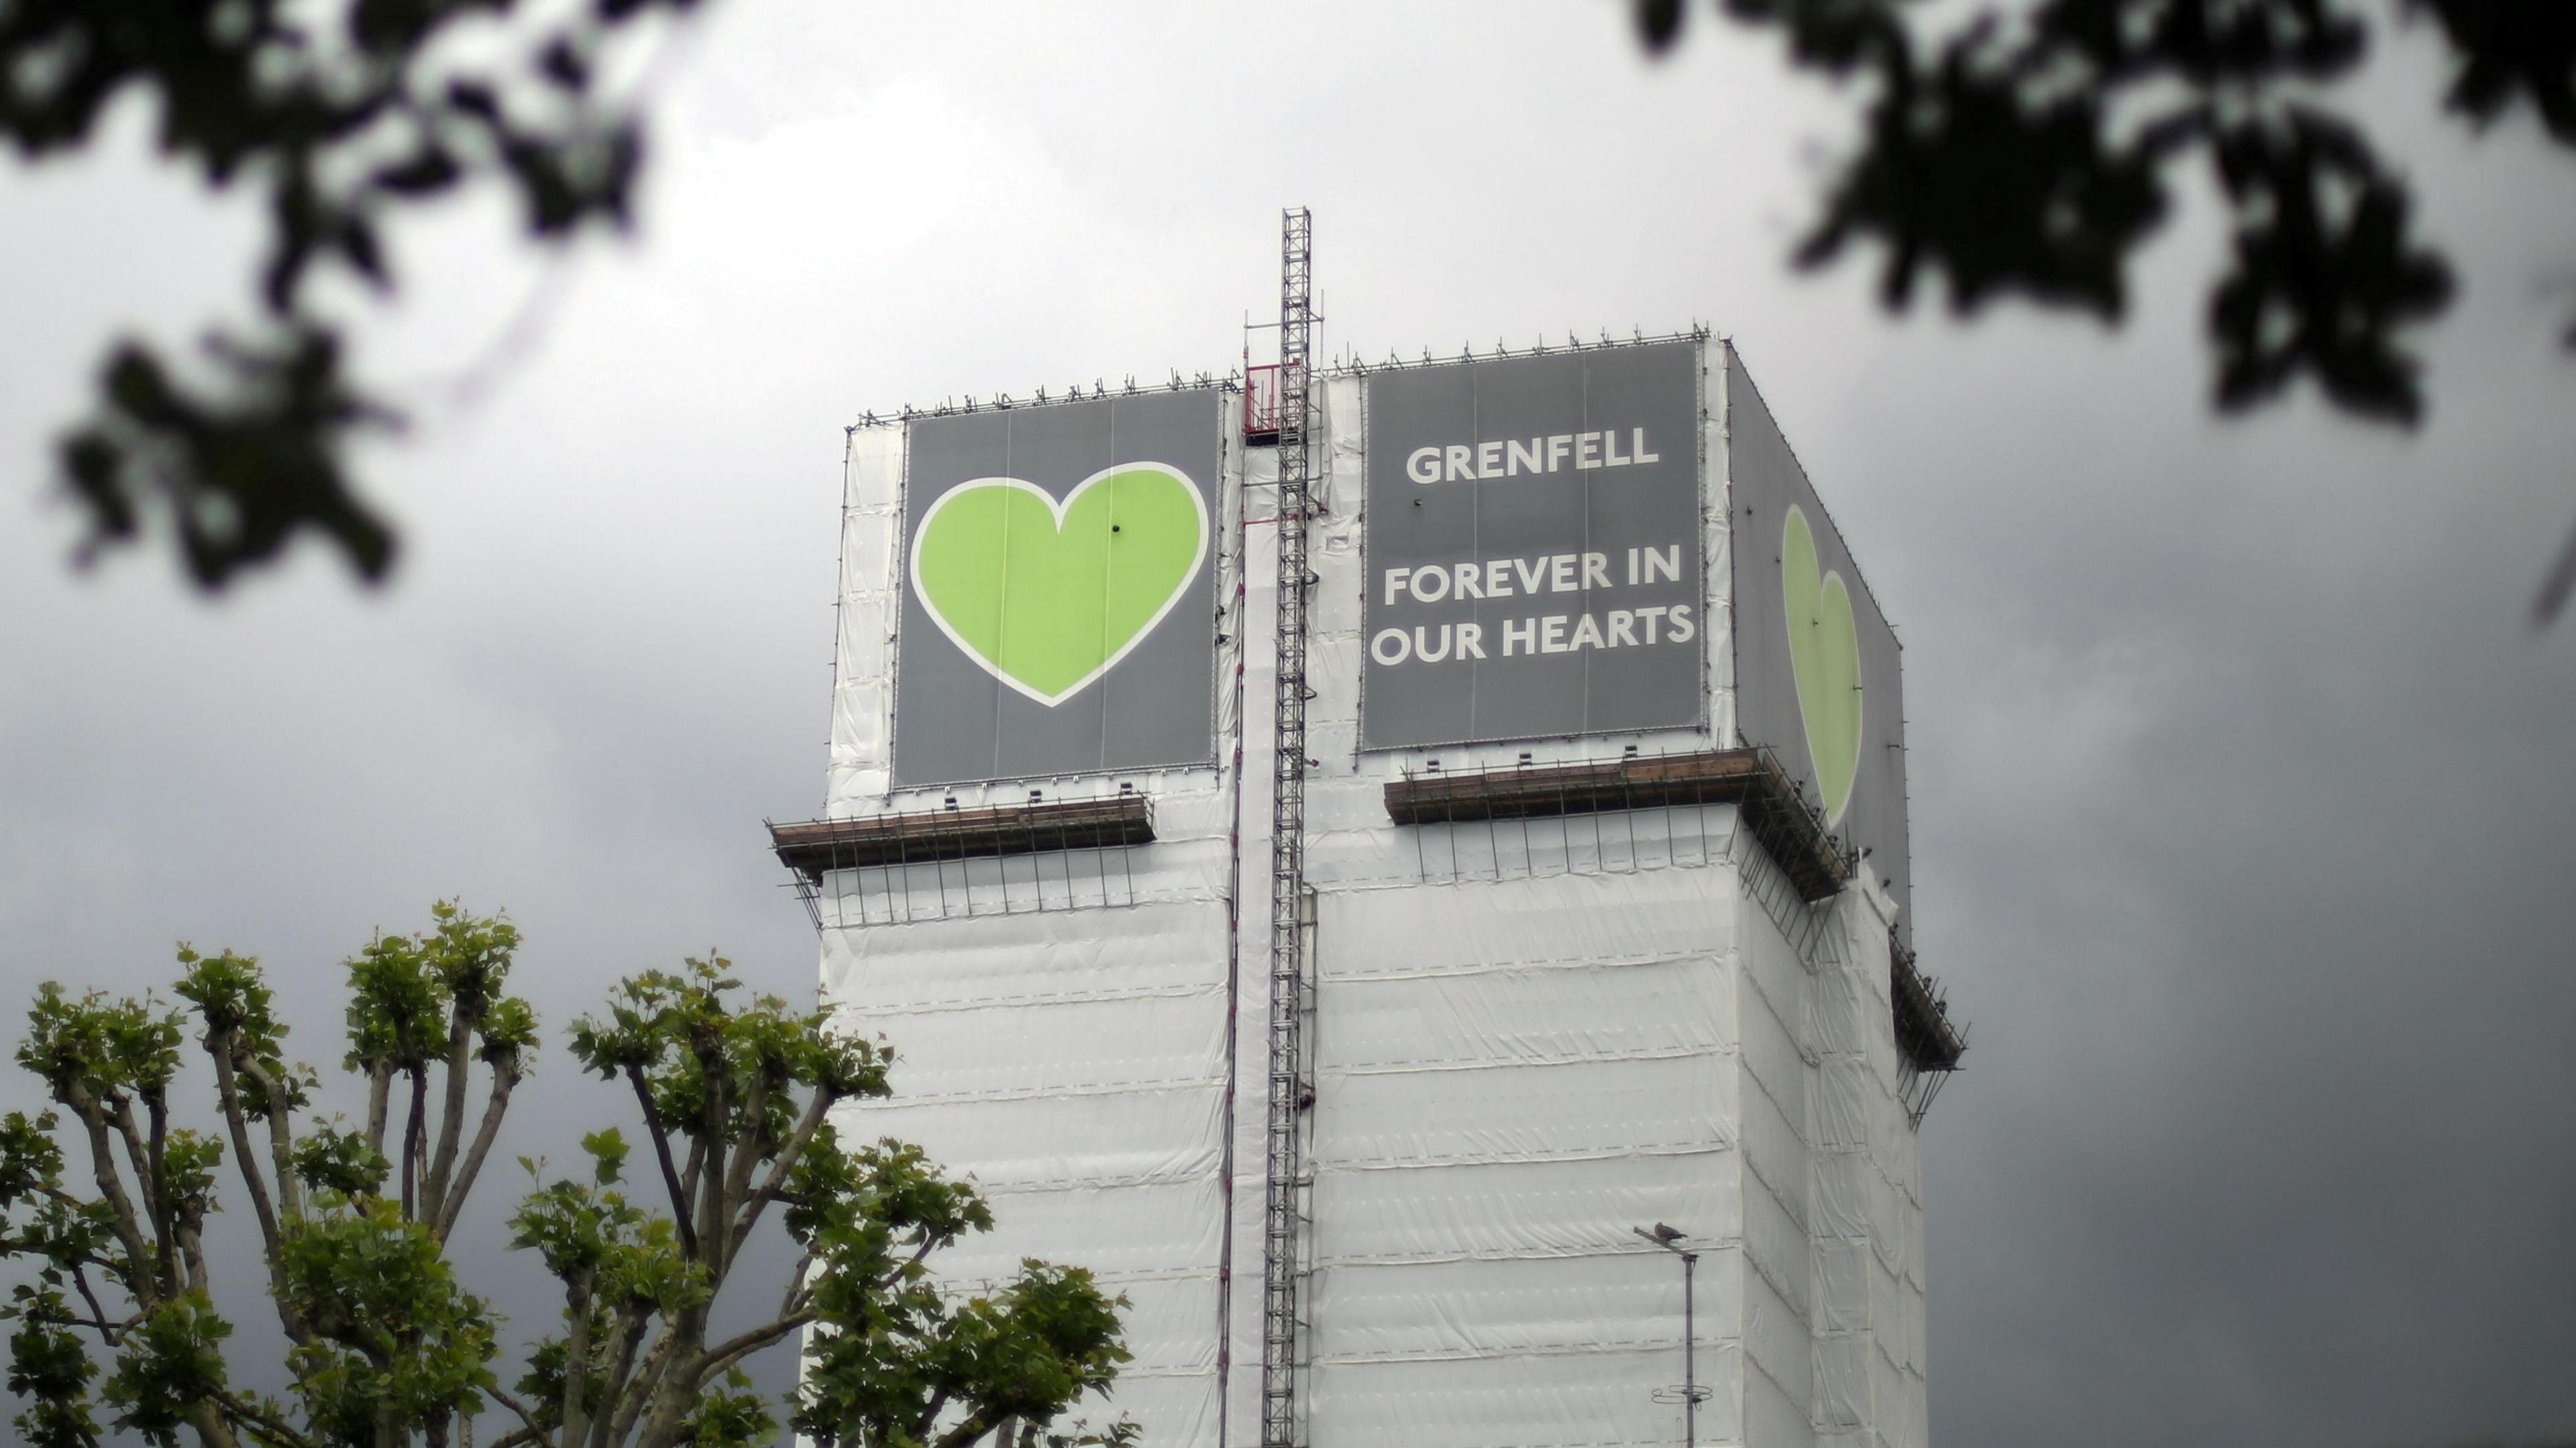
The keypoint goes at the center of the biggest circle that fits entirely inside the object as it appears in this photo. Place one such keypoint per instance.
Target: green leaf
(607, 1148)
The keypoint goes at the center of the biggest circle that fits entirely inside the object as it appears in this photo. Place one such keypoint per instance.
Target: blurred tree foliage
(105, 1204)
(338, 114)
(2029, 149)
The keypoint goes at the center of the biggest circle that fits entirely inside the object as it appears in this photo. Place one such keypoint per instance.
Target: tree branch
(156, 1104)
(281, 1141)
(451, 1116)
(574, 1410)
(192, 1251)
(788, 1155)
(415, 1141)
(529, 1433)
(710, 1223)
(146, 1182)
(214, 1430)
(729, 1232)
(268, 1423)
(796, 1283)
(697, 1164)
(724, 1355)
(237, 1124)
(975, 1426)
(452, 1202)
(128, 1226)
(938, 1405)
(633, 1385)
(662, 1151)
(107, 1330)
(380, 1082)
(147, 1173)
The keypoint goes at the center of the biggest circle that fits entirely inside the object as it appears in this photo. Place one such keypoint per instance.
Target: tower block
(1593, 975)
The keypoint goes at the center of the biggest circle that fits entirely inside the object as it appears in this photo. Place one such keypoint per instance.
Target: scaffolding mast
(1289, 1094)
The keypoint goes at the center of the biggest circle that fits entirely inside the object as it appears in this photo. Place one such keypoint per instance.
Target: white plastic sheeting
(1510, 1076)
(1525, 1040)
(1529, 1038)
(1061, 1021)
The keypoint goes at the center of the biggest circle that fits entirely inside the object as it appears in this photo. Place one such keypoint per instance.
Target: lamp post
(1692, 1393)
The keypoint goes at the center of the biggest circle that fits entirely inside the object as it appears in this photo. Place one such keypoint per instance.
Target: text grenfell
(1460, 462)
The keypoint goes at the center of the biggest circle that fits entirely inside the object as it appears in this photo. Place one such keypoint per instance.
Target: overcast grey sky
(2242, 791)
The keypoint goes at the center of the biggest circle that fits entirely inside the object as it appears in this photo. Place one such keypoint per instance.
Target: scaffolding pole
(1289, 1095)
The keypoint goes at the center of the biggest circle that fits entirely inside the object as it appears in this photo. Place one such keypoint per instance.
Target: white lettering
(1520, 633)
(1623, 632)
(1430, 585)
(1395, 584)
(1465, 578)
(1471, 641)
(1664, 561)
(1551, 635)
(1683, 630)
(1531, 571)
(1632, 567)
(1422, 636)
(1596, 570)
(1653, 619)
(1510, 457)
(1560, 573)
(1385, 637)
(1498, 578)
(1587, 634)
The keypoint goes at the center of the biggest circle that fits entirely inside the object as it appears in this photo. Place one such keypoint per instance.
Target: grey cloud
(2240, 792)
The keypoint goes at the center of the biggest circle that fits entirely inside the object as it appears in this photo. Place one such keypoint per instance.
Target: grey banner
(1017, 524)
(1836, 717)
(1533, 548)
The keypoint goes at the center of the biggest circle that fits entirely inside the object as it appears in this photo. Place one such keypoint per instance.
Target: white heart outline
(1188, 576)
(1860, 686)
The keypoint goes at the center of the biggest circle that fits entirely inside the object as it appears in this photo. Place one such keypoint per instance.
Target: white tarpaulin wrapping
(1061, 1020)
(1526, 1039)
(1432, 1214)
(1598, 1398)
(1017, 958)
(1510, 1076)
(1542, 1305)
(1604, 1012)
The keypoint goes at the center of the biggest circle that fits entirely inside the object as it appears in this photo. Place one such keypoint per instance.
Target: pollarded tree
(387, 1345)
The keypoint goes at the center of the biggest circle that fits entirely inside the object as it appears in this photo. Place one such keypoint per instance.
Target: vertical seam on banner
(1108, 591)
(900, 587)
(1002, 637)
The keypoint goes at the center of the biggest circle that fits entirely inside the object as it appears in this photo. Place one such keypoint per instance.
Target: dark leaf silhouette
(2028, 151)
(340, 116)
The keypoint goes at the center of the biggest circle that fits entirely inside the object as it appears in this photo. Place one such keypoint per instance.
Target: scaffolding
(1928, 1044)
(1282, 1210)
(950, 863)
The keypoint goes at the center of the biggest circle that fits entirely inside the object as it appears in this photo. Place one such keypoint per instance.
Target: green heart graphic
(1047, 596)
(1824, 659)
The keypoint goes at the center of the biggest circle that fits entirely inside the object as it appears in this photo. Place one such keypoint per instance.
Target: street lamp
(1691, 1394)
